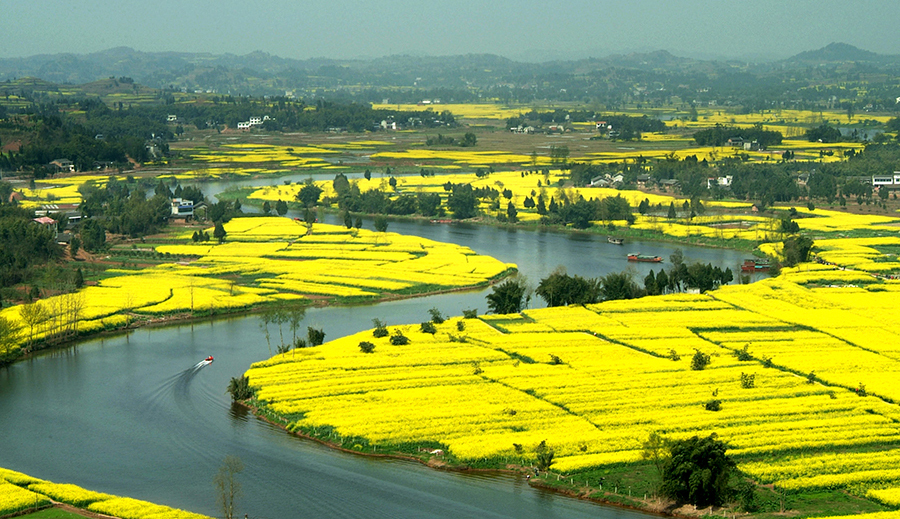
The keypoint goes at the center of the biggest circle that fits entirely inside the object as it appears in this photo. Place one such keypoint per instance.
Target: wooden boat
(615, 241)
(755, 265)
(644, 257)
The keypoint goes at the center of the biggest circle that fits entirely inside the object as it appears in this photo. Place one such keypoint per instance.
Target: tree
(74, 246)
(560, 289)
(33, 315)
(656, 449)
(267, 207)
(671, 214)
(219, 232)
(509, 297)
(698, 471)
(316, 336)
(796, 250)
(239, 388)
(227, 485)
(281, 207)
(93, 236)
(511, 212)
(309, 194)
(469, 140)
(9, 335)
(543, 455)
(381, 223)
(462, 201)
(620, 285)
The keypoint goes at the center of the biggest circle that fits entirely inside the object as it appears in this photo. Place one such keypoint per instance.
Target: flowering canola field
(593, 382)
(264, 260)
(20, 492)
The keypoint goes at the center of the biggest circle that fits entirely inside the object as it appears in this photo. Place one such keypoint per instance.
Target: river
(127, 415)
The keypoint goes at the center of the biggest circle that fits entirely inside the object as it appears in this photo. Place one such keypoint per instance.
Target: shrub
(366, 347)
(398, 339)
(428, 327)
(700, 360)
(240, 388)
(698, 472)
(811, 377)
(673, 355)
(743, 355)
(713, 405)
(315, 336)
(748, 381)
(470, 314)
(460, 326)
(380, 328)
(544, 455)
(861, 390)
(555, 360)
(436, 316)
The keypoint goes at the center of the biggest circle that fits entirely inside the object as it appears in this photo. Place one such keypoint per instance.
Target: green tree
(309, 194)
(316, 336)
(511, 212)
(509, 297)
(656, 450)
(267, 207)
(381, 223)
(239, 388)
(219, 232)
(796, 250)
(74, 246)
(671, 214)
(620, 285)
(93, 235)
(698, 472)
(9, 336)
(34, 315)
(462, 201)
(560, 289)
(281, 207)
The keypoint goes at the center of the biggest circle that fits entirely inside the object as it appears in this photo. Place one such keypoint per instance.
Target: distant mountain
(651, 77)
(838, 52)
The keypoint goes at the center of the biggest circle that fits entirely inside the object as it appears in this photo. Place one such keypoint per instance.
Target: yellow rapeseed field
(594, 381)
(263, 260)
(20, 492)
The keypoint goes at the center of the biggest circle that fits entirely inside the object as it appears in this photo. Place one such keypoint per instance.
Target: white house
(172, 118)
(182, 208)
(244, 125)
(254, 121)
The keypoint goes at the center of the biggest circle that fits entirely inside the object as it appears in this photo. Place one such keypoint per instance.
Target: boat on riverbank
(615, 241)
(644, 258)
(755, 265)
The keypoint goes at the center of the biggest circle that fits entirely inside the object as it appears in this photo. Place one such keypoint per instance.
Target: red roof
(45, 220)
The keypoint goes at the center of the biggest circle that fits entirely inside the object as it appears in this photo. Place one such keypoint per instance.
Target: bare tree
(227, 485)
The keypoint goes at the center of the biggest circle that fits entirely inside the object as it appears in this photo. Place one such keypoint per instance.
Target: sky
(525, 30)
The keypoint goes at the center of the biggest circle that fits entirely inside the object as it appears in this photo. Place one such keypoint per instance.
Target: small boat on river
(644, 257)
(615, 241)
(208, 359)
(755, 265)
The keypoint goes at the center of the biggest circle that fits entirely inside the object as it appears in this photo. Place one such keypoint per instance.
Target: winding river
(129, 415)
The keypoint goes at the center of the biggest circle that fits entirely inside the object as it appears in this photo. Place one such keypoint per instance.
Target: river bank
(547, 480)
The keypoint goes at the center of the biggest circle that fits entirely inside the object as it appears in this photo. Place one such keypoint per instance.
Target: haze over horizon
(524, 30)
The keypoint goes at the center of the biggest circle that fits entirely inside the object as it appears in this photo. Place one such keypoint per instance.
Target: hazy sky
(521, 29)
